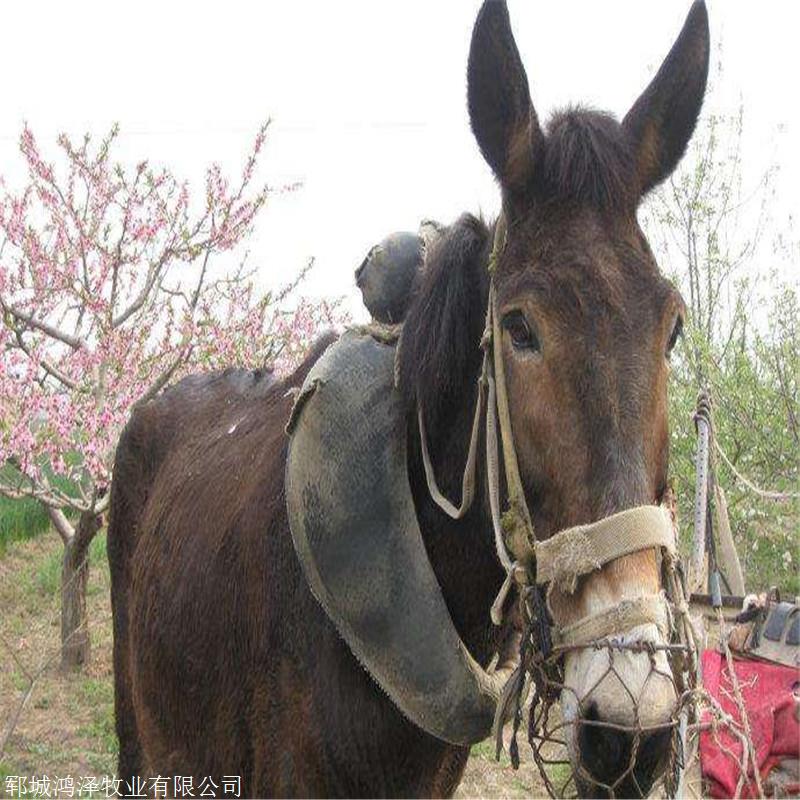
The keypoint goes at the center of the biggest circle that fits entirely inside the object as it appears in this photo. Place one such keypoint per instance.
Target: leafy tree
(110, 288)
(741, 343)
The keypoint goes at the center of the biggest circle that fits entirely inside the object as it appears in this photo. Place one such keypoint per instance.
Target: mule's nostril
(605, 752)
(613, 759)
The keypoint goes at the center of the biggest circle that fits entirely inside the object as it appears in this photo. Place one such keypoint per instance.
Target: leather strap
(517, 525)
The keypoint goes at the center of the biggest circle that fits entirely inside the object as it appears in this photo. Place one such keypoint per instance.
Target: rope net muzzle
(642, 744)
(641, 751)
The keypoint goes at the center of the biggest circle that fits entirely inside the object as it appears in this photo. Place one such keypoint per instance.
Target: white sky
(368, 98)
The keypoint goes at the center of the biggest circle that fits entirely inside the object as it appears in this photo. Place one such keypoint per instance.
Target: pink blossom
(103, 299)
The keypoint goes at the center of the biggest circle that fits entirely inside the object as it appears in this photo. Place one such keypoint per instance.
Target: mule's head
(588, 324)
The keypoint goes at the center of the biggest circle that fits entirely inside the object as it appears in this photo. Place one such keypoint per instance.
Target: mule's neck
(461, 551)
(439, 364)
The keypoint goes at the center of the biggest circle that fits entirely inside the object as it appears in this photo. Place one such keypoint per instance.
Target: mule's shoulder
(193, 410)
(201, 386)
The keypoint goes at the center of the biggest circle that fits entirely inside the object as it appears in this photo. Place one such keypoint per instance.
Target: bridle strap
(514, 529)
(468, 479)
(517, 526)
(620, 619)
(578, 551)
(493, 484)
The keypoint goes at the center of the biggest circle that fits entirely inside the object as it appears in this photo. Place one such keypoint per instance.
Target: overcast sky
(367, 98)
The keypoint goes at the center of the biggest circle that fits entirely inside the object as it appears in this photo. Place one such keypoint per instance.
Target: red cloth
(772, 709)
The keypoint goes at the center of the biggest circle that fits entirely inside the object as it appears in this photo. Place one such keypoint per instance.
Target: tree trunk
(74, 579)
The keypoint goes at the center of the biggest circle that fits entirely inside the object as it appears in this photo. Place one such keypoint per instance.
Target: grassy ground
(485, 777)
(20, 520)
(67, 725)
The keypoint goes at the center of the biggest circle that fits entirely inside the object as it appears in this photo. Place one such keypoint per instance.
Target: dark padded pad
(776, 622)
(793, 634)
(355, 531)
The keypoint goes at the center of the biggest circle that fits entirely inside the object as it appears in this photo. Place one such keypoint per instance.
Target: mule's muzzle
(618, 761)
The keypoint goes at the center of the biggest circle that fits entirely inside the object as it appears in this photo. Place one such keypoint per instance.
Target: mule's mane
(439, 352)
(588, 160)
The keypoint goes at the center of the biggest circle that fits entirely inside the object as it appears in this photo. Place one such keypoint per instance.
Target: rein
(569, 554)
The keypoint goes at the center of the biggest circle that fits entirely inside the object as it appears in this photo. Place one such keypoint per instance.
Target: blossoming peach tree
(114, 282)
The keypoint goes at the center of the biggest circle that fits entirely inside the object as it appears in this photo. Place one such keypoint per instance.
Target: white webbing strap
(571, 553)
(621, 618)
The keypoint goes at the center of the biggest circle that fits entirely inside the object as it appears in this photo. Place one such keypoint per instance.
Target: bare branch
(163, 379)
(47, 495)
(49, 368)
(101, 506)
(44, 327)
(144, 294)
(61, 524)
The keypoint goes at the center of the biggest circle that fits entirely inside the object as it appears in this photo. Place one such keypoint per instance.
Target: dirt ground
(485, 777)
(66, 725)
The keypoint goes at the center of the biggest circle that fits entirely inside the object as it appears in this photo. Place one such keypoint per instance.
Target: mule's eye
(673, 338)
(522, 337)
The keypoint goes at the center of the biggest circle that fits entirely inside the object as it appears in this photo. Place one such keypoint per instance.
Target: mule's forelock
(588, 160)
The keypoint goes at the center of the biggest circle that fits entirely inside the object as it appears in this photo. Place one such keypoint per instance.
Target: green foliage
(484, 749)
(98, 559)
(97, 550)
(559, 775)
(23, 519)
(98, 695)
(47, 579)
(47, 576)
(741, 344)
(20, 519)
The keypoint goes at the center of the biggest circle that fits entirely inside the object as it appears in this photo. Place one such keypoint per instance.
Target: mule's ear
(662, 120)
(500, 110)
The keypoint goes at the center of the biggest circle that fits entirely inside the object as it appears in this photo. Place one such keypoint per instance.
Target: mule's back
(159, 434)
(225, 664)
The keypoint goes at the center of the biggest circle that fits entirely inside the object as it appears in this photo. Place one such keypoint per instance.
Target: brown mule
(225, 664)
